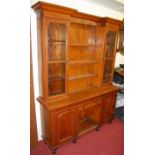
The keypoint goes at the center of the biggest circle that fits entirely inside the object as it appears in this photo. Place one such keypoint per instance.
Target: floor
(108, 141)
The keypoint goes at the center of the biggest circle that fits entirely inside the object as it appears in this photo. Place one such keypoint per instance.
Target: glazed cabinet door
(108, 105)
(65, 125)
(109, 55)
(56, 48)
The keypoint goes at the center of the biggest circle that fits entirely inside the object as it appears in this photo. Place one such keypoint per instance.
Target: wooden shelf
(108, 75)
(56, 78)
(82, 76)
(57, 43)
(84, 89)
(51, 41)
(83, 45)
(86, 45)
(57, 92)
(108, 58)
(56, 61)
(83, 62)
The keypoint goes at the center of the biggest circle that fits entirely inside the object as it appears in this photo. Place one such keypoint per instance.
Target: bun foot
(74, 141)
(98, 129)
(53, 151)
(110, 121)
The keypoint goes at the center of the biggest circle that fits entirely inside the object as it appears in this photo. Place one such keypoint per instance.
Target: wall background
(82, 6)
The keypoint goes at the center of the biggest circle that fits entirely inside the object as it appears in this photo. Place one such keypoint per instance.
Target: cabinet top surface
(73, 98)
(44, 6)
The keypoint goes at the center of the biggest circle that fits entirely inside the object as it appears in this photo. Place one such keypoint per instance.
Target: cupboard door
(65, 125)
(109, 55)
(57, 38)
(108, 103)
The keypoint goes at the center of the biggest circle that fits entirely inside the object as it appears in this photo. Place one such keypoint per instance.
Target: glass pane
(56, 78)
(107, 79)
(56, 51)
(110, 44)
(120, 39)
(108, 67)
(56, 41)
(57, 32)
(109, 56)
(56, 69)
(56, 86)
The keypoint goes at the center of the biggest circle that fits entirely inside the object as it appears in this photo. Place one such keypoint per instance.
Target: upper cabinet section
(76, 51)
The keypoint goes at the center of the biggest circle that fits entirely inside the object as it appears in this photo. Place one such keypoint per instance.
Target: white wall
(82, 6)
(119, 59)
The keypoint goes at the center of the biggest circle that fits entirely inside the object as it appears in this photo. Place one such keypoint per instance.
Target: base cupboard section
(68, 123)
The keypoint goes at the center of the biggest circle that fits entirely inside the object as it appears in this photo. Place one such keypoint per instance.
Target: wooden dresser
(76, 56)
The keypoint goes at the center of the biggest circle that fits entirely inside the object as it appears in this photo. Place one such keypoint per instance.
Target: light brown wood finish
(76, 62)
(33, 125)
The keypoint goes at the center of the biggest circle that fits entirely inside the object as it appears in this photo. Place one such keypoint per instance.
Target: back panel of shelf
(82, 34)
(82, 76)
(80, 69)
(80, 84)
(81, 53)
(82, 57)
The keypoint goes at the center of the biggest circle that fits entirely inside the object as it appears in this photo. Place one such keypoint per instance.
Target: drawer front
(92, 102)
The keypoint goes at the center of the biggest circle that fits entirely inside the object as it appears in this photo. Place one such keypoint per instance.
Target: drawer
(91, 102)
